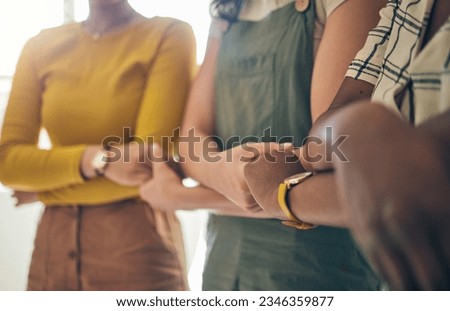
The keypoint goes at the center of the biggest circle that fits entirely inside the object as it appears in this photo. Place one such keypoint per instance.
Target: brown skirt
(119, 246)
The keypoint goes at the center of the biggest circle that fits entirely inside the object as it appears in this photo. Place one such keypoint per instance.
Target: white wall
(17, 230)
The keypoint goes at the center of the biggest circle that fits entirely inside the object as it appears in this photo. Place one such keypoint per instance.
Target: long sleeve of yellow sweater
(83, 90)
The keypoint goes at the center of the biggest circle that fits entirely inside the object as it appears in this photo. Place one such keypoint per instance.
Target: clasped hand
(229, 176)
(133, 164)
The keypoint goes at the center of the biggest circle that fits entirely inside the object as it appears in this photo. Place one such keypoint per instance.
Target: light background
(22, 19)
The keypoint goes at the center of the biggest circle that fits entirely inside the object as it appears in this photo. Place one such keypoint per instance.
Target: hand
(263, 177)
(129, 165)
(23, 197)
(230, 179)
(161, 192)
(397, 194)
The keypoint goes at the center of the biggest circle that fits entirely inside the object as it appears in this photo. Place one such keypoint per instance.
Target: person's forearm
(25, 167)
(365, 125)
(314, 152)
(204, 198)
(201, 198)
(199, 157)
(195, 146)
(316, 201)
(236, 211)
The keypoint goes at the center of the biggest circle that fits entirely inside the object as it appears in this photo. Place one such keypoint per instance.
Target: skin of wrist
(213, 169)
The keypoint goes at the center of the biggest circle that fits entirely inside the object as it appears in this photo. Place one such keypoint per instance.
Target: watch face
(293, 180)
(99, 161)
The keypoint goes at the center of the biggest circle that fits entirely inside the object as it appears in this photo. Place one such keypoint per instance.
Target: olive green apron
(263, 82)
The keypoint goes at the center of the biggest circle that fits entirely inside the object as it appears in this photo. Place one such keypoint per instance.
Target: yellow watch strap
(292, 221)
(282, 192)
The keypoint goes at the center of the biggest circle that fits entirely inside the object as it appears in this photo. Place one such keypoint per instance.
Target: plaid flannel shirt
(393, 61)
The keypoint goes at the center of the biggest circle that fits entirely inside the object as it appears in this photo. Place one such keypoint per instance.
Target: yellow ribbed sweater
(82, 90)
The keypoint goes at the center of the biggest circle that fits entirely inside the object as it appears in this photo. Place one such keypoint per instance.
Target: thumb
(272, 146)
(251, 151)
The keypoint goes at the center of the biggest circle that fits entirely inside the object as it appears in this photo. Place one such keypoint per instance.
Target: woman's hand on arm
(264, 175)
(232, 182)
(127, 165)
(165, 191)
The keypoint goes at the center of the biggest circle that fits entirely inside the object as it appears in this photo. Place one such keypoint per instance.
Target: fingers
(299, 153)
(271, 171)
(394, 267)
(441, 233)
(161, 163)
(145, 190)
(176, 167)
(262, 147)
(374, 238)
(444, 251)
(234, 185)
(429, 269)
(251, 151)
(264, 177)
(15, 200)
(384, 256)
(411, 231)
(23, 197)
(162, 169)
(159, 157)
(403, 250)
(386, 265)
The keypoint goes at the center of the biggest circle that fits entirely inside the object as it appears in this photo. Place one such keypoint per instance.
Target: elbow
(360, 122)
(368, 119)
(6, 176)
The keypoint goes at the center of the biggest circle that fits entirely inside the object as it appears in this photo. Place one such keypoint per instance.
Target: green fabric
(263, 81)
(264, 77)
(255, 254)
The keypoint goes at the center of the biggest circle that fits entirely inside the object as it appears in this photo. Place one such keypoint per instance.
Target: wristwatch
(100, 162)
(283, 190)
